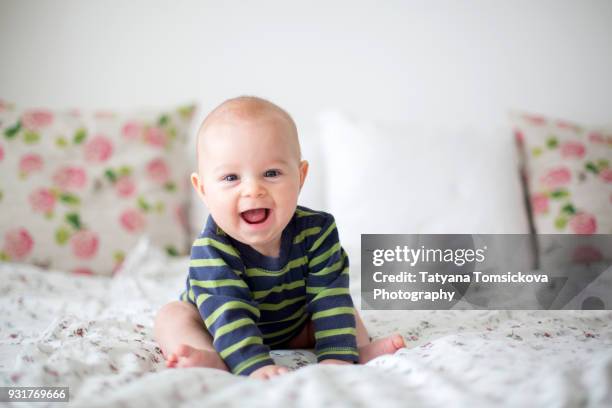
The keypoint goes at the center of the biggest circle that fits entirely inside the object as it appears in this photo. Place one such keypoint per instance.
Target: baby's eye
(272, 173)
(230, 177)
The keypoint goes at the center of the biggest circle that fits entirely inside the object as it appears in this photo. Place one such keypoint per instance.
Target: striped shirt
(251, 303)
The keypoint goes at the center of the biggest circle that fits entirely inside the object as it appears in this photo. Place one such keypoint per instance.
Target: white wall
(446, 61)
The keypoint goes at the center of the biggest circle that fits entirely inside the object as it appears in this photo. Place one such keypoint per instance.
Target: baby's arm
(226, 306)
(329, 301)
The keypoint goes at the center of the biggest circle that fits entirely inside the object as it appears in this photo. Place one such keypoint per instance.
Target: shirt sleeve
(224, 300)
(329, 300)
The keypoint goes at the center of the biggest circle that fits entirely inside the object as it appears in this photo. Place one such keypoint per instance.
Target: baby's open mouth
(256, 215)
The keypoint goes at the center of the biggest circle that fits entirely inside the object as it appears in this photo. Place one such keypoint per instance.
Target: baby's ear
(196, 182)
(303, 172)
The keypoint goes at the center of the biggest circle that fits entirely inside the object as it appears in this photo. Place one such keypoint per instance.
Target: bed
(94, 335)
(102, 255)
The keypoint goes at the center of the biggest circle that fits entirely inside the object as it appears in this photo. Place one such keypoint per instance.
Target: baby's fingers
(276, 372)
(267, 372)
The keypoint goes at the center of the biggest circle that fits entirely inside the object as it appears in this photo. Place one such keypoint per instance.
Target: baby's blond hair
(245, 108)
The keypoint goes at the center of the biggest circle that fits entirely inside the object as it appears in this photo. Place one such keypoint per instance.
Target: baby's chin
(258, 234)
(264, 235)
(269, 246)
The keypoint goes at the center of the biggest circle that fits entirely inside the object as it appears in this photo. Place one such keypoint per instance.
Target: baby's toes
(171, 360)
(183, 350)
(398, 341)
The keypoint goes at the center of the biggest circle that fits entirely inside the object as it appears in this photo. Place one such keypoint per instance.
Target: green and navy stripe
(251, 303)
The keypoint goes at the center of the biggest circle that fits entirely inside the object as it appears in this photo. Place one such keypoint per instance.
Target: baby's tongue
(254, 216)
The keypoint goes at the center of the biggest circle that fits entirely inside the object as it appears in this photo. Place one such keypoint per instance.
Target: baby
(264, 272)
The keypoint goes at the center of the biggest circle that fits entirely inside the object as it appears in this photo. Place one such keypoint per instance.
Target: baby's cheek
(222, 212)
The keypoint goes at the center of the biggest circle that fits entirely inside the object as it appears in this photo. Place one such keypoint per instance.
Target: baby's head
(250, 170)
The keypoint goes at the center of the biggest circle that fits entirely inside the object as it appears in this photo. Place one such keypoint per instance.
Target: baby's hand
(269, 371)
(334, 361)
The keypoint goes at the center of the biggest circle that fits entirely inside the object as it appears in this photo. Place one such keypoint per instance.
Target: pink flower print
(535, 120)
(36, 119)
(30, 163)
(132, 130)
(70, 178)
(556, 177)
(119, 258)
(82, 270)
(606, 175)
(124, 186)
(519, 137)
(158, 171)
(539, 203)
(116, 268)
(84, 244)
(98, 149)
(74, 113)
(132, 220)
(155, 136)
(586, 254)
(180, 212)
(583, 223)
(572, 150)
(42, 200)
(18, 243)
(596, 137)
(561, 124)
(1, 153)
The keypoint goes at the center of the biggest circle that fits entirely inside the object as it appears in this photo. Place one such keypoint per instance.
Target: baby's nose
(253, 188)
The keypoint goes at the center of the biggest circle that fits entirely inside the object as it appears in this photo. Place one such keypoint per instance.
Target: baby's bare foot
(187, 356)
(387, 345)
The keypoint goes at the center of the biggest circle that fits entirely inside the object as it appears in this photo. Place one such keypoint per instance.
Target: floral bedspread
(94, 335)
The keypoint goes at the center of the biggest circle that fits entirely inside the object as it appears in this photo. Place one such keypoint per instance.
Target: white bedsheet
(95, 336)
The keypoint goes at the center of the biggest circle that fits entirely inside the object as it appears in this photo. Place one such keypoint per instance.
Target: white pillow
(397, 178)
(313, 192)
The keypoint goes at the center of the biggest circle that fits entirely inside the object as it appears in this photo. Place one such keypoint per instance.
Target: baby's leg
(184, 340)
(368, 350)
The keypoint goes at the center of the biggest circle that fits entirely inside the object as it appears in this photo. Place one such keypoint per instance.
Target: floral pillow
(78, 189)
(568, 170)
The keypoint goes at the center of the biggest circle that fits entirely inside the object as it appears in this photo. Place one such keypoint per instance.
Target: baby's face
(250, 176)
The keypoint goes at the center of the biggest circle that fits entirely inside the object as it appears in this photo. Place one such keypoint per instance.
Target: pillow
(397, 178)
(78, 189)
(568, 170)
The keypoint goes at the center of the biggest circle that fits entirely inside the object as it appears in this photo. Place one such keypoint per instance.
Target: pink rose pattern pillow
(568, 170)
(77, 190)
